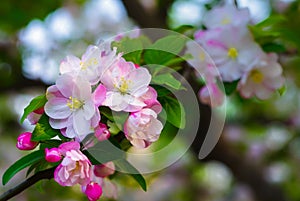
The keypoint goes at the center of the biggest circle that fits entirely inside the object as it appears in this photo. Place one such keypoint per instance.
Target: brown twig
(46, 174)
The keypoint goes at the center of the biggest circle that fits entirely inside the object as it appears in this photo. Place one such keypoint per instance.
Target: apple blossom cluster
(101, 78)
(228, 44)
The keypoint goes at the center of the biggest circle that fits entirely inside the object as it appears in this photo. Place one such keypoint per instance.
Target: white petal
(57, 108)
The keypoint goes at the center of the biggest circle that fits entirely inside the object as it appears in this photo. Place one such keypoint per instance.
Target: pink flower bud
(93, 191)
(101, 132)
(136, 66)
(25, 143)
(104, 170)
(52, 155)
(35, 116)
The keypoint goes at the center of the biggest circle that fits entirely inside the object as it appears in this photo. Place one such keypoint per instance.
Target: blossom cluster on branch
(228, 45)
(101, 78)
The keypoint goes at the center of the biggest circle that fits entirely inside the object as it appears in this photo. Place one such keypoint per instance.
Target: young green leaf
(131, 49)
(166, 79)
(125, 166)
(34, 104)
(164, 49)
(43, 130)
(21, 164)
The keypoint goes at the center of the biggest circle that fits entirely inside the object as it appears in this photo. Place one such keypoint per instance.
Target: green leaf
(230, 87)
(273, 47)
(113, 128)
(161, 91)
(43, 130)
(106, 112)
(105, 151)
(50, 144)
(178, 60)
(125, 166)
(131, 48)
(34, 104)
(21, 164)
(175, 111)
(282, 90)
(164, 49)
(166, 79)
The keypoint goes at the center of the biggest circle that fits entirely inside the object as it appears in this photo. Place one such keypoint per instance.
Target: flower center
(86, 64)
(256, 76)
(232, 53)
(225, 21)
(123, 88)
(74, 103)
(202, 56)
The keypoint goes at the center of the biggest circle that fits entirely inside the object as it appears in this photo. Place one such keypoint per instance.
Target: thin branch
(46, 174)
(236, 3)
(143, 17)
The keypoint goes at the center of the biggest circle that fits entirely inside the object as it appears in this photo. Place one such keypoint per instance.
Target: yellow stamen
(256, 76)
(74, 103)
(202, 56)
(225, 21)
(232, 53)
(123, 88)
(90, 62)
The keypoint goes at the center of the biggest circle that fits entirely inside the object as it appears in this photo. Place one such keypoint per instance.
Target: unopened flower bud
(93, 191)
(104, 170)
(101, 132)
(52, 155)
(24, 141)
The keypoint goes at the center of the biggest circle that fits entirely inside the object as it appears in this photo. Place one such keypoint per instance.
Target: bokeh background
(258, 155)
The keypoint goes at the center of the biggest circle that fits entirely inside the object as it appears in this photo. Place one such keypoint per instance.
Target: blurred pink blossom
(226, 15)
(263, 79)
(104, 170)
(212, 95)
(233, 51)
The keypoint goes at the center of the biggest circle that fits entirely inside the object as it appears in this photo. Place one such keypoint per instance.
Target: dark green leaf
(175, 111)
(273, 47)
(230, 87)
(161, 91)
(105, 151)
(35, 104)
(106, 112)
(125, 166)
(43, 130)
(21, 164)
(50, 144)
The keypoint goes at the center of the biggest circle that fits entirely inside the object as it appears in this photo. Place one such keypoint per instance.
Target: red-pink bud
(136, 66)
(104, 170)
(52, 155)
(93, 191)
(24, 141)
(101, 132)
